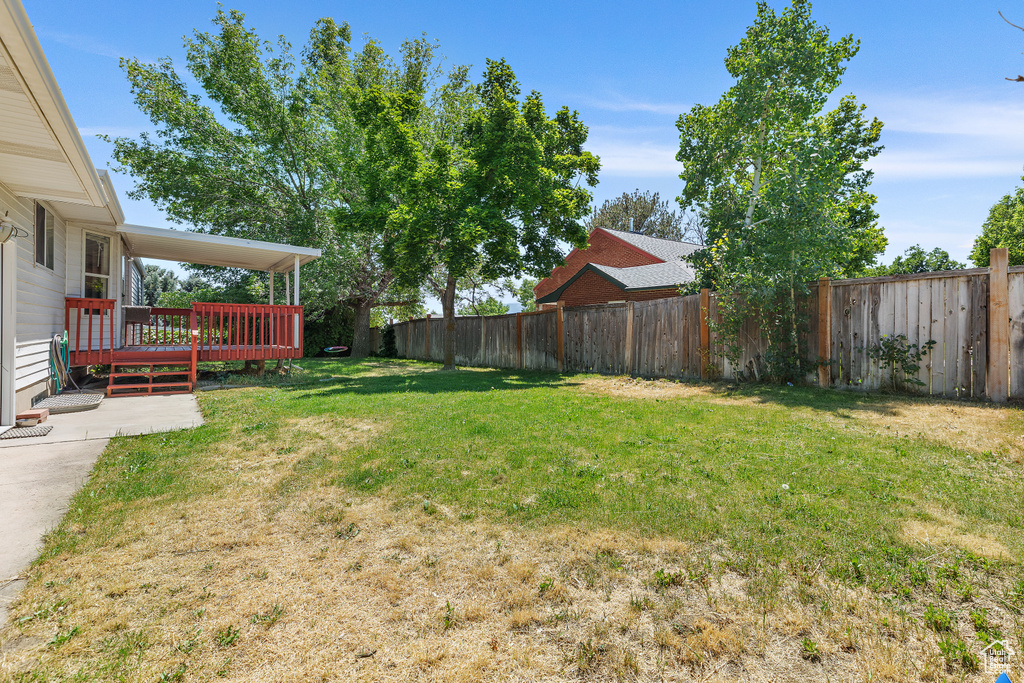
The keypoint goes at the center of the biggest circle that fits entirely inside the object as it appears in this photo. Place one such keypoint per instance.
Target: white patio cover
(213, 250)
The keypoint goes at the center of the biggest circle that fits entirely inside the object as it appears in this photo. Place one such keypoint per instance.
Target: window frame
(45, 227)
(110, 263)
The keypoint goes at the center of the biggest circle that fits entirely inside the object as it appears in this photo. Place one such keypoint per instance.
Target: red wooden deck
(179, 337)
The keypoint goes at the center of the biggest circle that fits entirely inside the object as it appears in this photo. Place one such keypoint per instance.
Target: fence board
(913, 331)
(1015, 307)
(938, 374)
(963, 338)
(540, 344)
(979, 334)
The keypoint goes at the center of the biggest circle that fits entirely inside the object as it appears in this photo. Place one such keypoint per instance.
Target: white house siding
(134, 275)
(40, 300)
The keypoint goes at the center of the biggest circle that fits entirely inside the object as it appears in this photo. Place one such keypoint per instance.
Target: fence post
(519, 340)
(705, 332)
(560, 333)
(629, 338)
(997, 378)
(824, 330)
(426, 344)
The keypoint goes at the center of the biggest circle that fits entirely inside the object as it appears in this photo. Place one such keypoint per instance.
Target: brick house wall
(604, 250)
(591, 288)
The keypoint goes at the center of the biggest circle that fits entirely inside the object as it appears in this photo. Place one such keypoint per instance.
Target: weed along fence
(974, 317)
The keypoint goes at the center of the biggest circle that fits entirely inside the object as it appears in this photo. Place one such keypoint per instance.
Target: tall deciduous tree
(269, 150)
(1004, 228)
(499, 184)
(781, 185)
(648, 214)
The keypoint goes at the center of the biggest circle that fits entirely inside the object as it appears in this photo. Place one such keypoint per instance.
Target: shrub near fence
(975, 317)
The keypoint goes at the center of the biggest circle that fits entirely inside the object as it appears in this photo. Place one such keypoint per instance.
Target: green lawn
(775, 485)
(776, 478)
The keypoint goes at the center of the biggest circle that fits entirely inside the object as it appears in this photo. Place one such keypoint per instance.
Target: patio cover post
(296, 295)
(271, 321)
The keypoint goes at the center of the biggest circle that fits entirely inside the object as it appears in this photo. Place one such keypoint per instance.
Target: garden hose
(60, 362)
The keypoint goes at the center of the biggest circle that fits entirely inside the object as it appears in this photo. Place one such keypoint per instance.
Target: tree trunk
(361, 334)
(448, 309)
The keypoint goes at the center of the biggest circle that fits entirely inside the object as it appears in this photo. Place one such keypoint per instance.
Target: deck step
(168, 373)
(137, 377)
(114, 390)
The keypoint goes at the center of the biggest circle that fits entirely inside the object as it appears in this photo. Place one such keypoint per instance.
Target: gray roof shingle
(654, 276)
(666, 250)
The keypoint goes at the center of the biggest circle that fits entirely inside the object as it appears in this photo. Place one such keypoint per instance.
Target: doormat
(20, 432)
(71, 401)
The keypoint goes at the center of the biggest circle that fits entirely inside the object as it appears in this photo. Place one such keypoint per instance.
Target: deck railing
(166, 327)
(249, 331)
(90, 327)
(223, 331)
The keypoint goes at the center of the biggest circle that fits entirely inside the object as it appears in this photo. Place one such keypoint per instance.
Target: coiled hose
(60, 362)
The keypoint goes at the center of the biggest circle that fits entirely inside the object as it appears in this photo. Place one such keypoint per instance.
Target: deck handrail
(249, 331)
(105, 309)
(166, 327)
(212, 331)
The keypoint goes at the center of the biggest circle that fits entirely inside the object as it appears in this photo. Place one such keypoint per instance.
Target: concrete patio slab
(121, 416)
(39, 475)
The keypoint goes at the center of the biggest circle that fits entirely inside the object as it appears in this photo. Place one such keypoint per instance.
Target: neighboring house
(72, 262)
(618, 266)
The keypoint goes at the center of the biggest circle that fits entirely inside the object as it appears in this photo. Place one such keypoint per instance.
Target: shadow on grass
(837, 400)
(433, 381)
(424, 377)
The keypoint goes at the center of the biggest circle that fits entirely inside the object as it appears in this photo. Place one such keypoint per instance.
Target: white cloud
(960, 114)
(112, 131)
(620, 158)
(917, 164)
(621, 103)
(84, 44)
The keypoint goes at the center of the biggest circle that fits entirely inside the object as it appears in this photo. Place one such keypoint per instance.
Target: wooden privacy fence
(975, 317)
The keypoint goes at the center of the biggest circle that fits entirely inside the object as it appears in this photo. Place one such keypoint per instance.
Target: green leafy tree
(272, 150)
(523, 292)
(498, 185)
(648, 214)
(155, 282)
(1004, 229)
(486, 306)
(916, 260)
(780, 185)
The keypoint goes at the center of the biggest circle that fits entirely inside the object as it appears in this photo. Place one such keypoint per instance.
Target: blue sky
(933, 72)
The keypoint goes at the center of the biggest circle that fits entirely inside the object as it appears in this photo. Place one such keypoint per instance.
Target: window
(97, 266)
(44, 237)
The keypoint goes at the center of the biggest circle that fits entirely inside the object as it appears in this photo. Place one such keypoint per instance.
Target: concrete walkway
(39, 475)
(122, 416)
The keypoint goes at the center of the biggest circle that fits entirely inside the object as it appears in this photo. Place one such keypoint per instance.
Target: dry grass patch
(336, 587)
(974, 427)
(946, 529)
